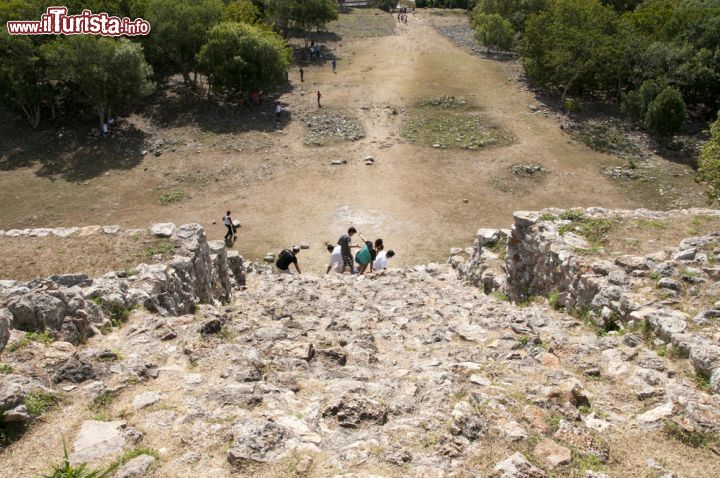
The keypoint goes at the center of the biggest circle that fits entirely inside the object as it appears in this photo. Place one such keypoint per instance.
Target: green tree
(309, 14)
(515, 11)
(242, 11)
(179, 30)
(386, 5)
(240, 58)
(279, 13)
(22, 77)
(570, 46)
(709, 161)
(635, 104)
(494, 31)
(108, 74)
(666, 113)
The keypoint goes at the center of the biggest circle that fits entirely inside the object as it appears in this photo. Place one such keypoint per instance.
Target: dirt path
(285, 192)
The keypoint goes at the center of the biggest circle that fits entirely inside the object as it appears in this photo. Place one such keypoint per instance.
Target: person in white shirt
(336, 259)
(227, 220)
(381, 260)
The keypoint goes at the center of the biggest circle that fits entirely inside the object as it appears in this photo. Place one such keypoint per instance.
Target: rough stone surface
(517, 466)
(552, 453)
(136, 467)
(97, 440)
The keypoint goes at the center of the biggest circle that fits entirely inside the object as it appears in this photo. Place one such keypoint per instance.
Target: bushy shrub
(636, 103)
(242, 58)
(494, 31)
(709, 162)
(666, 113)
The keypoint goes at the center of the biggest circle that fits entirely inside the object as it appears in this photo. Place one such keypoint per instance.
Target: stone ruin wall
(73, 307)
(540, 261)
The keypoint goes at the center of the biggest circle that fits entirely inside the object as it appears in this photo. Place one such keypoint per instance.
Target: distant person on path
(334, 65)
(345, 243)
(319, 95)
(336, 259)
(278, 110)
(302, 75)
(381, 260)
(228, 221)
(287, 257)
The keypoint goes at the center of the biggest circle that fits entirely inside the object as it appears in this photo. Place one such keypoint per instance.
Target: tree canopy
(241, 58)
(108, 74)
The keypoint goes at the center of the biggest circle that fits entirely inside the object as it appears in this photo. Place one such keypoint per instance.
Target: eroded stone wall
(73, 307)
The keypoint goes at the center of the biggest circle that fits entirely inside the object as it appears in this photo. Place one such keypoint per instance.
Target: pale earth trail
(285, 192)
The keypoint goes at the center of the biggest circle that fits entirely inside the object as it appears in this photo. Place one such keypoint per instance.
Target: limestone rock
(655, 417)
(5, 323)
(146, 399)
(256, 441)
(97, 440)
(163, 230)
(517, 466)
(552, 453)
(136, 467)
(352, 410)
(664, 321)
(74, 370)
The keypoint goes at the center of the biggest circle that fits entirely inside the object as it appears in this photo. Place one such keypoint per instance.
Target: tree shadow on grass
(73, 152)
(180, 107)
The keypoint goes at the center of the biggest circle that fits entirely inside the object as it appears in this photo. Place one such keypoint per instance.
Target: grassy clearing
(606, 139)
(692, 438)
(39, 402)
(363, 23)
(594, 229)
(449, 122)
(171, 196)
(25, 258)
(645, 236)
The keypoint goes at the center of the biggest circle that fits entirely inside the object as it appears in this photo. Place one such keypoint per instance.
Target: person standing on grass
(287, 257)
(319, 95)
(231, 231)
(345, 243)
(334, 65)
(302, 75)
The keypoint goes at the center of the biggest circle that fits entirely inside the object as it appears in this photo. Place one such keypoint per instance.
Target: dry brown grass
(645, 236)
(25, 258)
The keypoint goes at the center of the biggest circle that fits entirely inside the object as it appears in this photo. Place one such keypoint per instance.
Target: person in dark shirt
(286, 258)
(345, 245)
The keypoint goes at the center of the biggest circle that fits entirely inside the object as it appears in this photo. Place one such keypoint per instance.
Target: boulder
(146, 399)
(6, 320)
(71, 280)
(552, 453)
(37, 311)
(655, 417)
(517, 466)
(664, 321)
(74, 370)
(353, 410)
(256, 441)
(136, 467)
(163, 229)
(98, 440)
